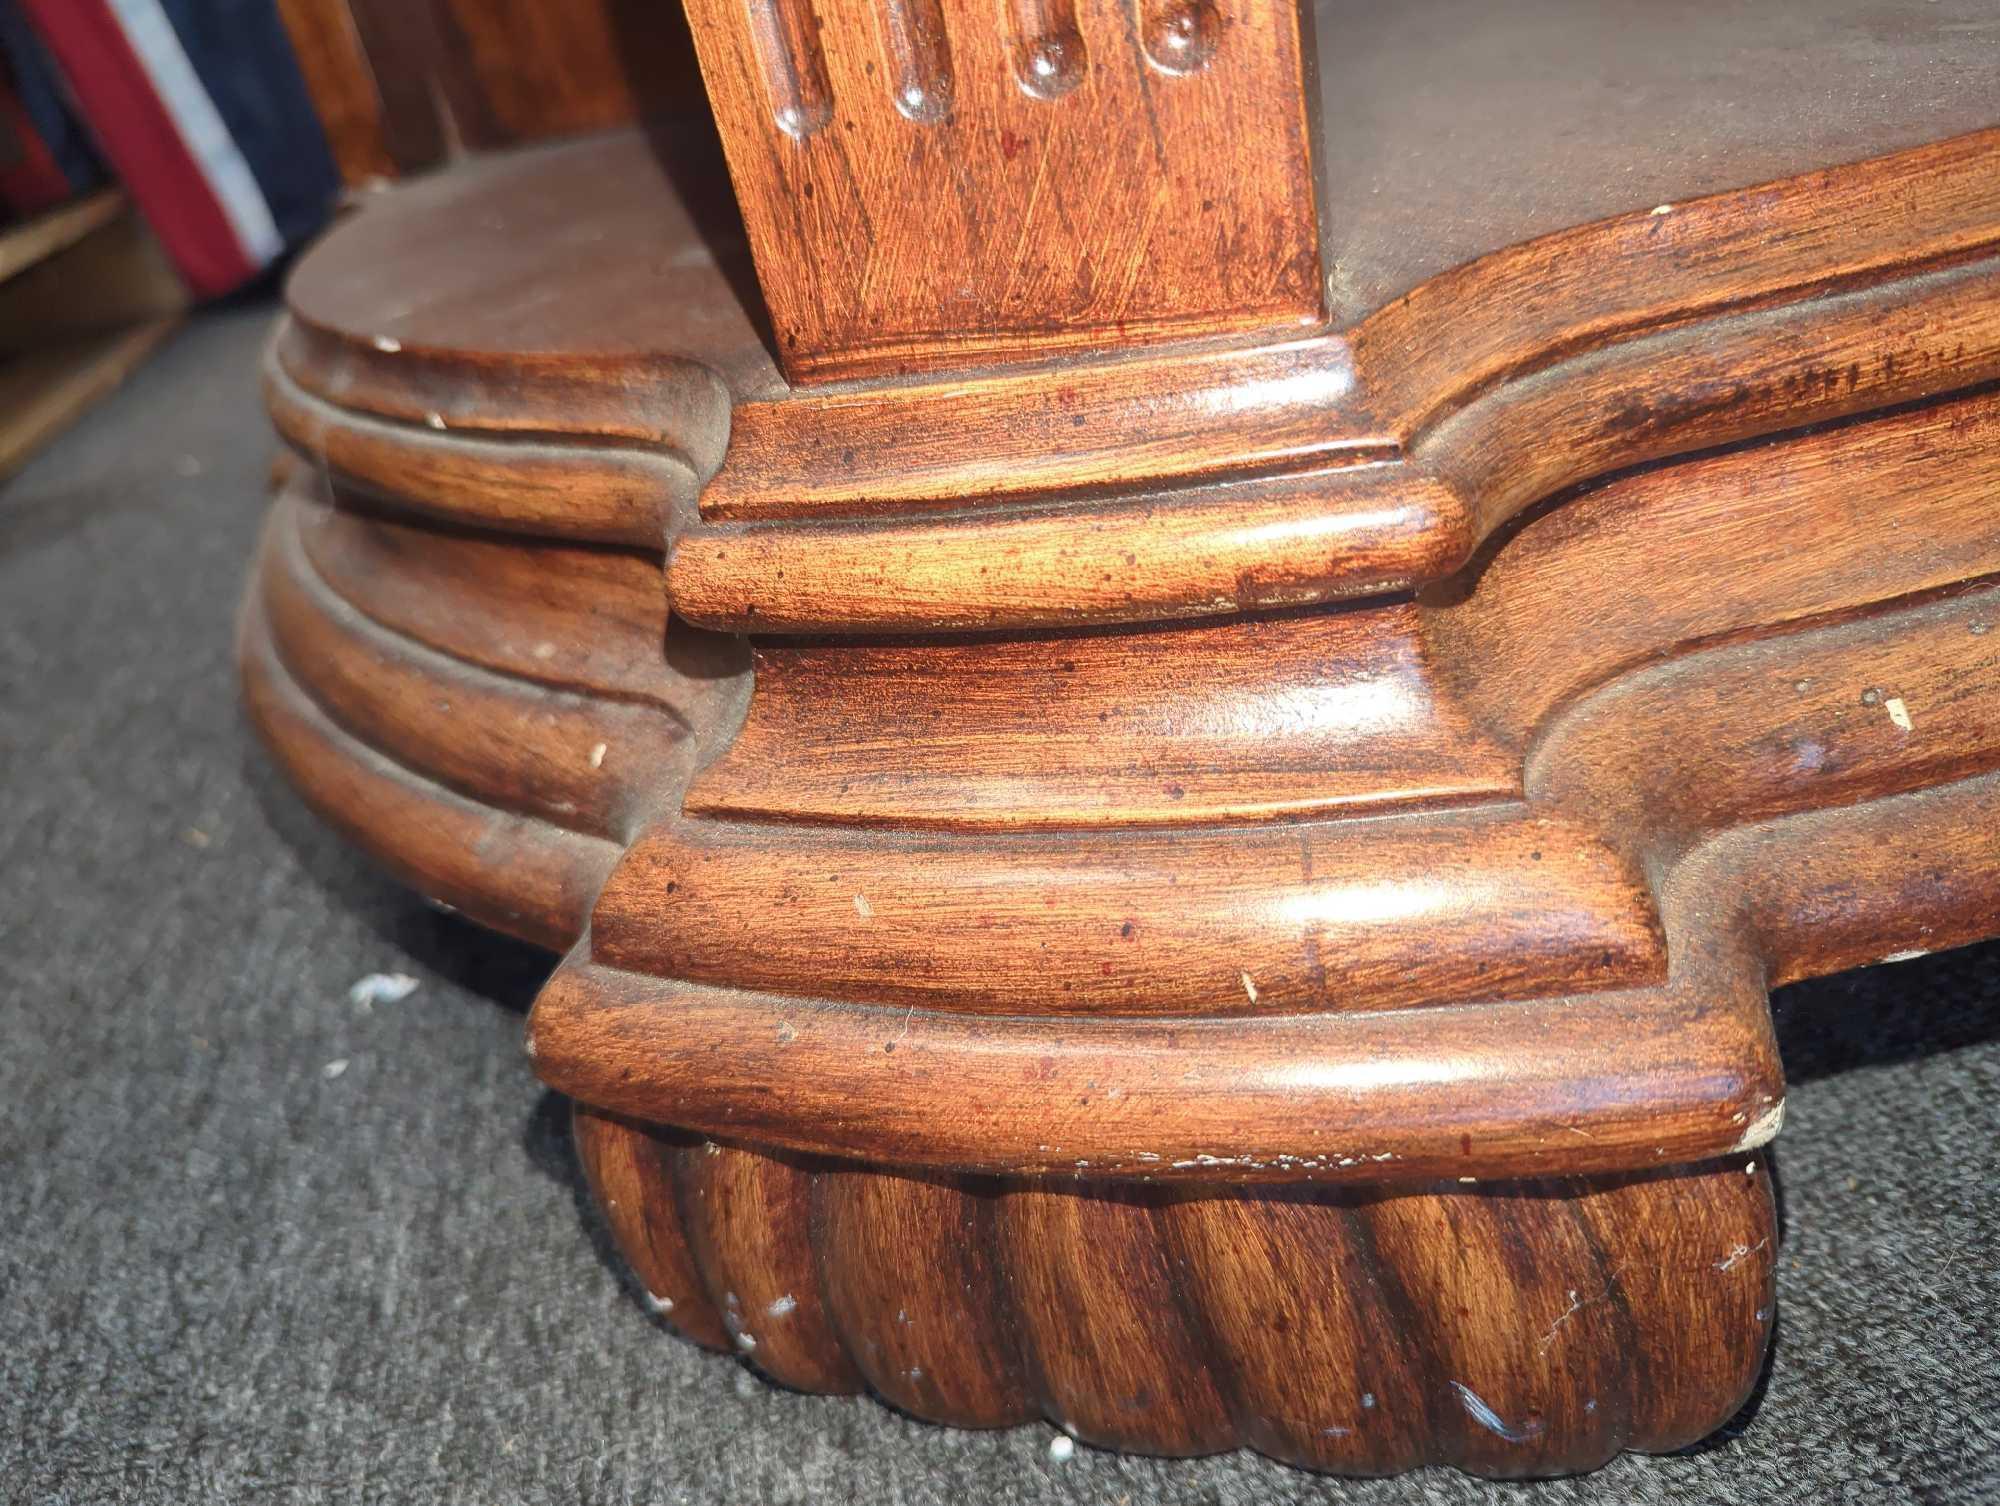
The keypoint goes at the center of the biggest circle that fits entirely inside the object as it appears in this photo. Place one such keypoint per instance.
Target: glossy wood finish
(1523, 1328)
(1218, 885)
(929, 180)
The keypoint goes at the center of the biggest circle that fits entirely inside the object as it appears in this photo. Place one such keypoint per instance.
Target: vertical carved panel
(939, 182)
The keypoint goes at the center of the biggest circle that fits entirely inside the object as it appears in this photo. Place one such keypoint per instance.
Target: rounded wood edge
(513, 872)
(1199, 480)
(1636, 1078)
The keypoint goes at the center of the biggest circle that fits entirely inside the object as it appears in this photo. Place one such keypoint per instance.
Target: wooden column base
(1513, 1329)
(1224, 896)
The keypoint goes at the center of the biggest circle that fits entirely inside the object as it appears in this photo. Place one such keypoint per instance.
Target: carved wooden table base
(1221, 896)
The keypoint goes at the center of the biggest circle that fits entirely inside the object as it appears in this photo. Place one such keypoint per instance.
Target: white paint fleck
(657, 1305)
(1749, 1168)
(1898, 712)
(1740, 1253)
(783, 1307)
(1910, 956)
(1250, 987)
(1489, 1419)
(333, 1068)
(381, 988)
(862, 908)
(746, 1342)
(1062, 1448)
(388, 344)
(1763, 1130)
(711, 1148)
(597, 752)
(528, 1045)
(1575, 1307)
(435, 420)
(1663, 209)
(1368, 1400)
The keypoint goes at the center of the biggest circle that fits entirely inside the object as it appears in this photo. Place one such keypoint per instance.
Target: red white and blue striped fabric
(145, 75)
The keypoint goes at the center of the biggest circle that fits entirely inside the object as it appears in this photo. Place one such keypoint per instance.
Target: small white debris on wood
(388, 344)
(1740, 1253)
(528, 1044)
(1663, 209)
(597, 752)
(657, 1305)
(1898, 712)
(333, 1068)
(1764, 1129)
(1575, 1307)
(381, 988)
(435, 420)
(862, 908)
(1062, 1448)
(1749, 1168)
(746, 1342)
(1250, 987)
(711, 1148)
(785, 1305)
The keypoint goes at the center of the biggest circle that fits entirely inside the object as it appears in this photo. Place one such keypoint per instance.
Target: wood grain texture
(1318, 714)
(630, 1169)
(910, 1271)
(1179, 923)
(1525, 1328)
(749, 1224)
(1197, 478)
(1233, 897)
(1077, 178)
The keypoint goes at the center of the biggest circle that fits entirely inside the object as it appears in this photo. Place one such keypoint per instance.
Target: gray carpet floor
(232, 1269)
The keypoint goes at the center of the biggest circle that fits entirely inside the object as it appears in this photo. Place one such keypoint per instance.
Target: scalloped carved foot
(1510, 1329)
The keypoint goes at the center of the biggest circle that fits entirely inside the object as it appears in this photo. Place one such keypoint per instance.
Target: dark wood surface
(936, 181)
(1221, 872)
(1511, 1329)
(403, 86)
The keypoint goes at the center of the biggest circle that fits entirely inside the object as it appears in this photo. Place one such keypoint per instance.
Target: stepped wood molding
(1215, 880)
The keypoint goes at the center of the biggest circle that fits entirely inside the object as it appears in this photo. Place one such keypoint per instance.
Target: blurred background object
(402, 85)
(153, 153)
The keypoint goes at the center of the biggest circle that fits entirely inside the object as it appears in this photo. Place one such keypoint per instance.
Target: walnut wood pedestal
(1216, 883)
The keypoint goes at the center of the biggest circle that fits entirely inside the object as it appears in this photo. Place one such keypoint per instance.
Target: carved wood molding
(1190, 481)
(939, 182)
(1429, 931)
